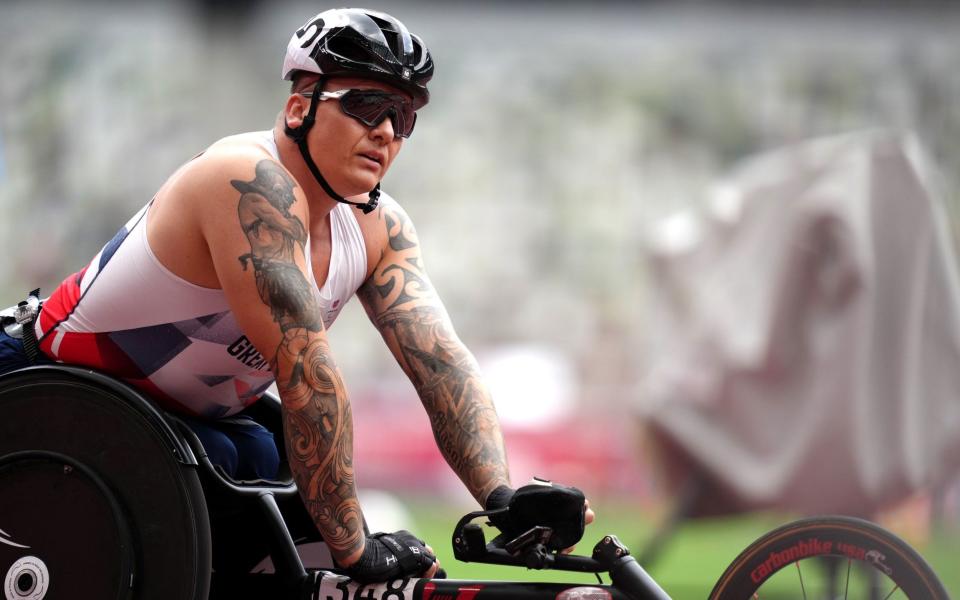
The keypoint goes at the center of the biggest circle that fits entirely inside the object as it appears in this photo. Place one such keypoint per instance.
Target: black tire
(868, 560)
(91, 482)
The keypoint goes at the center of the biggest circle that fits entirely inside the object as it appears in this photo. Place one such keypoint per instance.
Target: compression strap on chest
(299, 136)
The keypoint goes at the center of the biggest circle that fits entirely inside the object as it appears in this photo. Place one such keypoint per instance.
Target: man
(227, 280)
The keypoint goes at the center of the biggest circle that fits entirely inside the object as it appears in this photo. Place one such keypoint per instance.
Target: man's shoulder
(226, 160)
(237, 152)
(386, 228)
(388, 210)
(386, 205)
(388, 202)
(256, 141)
(392, 212)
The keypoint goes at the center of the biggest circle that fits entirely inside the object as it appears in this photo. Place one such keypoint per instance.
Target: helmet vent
(417, 54)
(349, 49)
(394, 41)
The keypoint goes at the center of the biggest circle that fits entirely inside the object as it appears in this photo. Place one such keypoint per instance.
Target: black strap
(367, 207)
(299, 136)
(30, 346)
(408, 560)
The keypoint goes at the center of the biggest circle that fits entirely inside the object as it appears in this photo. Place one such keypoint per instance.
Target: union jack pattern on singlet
(127, 315)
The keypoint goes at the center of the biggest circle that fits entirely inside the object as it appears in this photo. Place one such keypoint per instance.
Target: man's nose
(384, 129)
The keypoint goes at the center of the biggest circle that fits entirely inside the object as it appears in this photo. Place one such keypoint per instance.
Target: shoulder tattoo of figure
(317, 420)
(408, 313)
(276, 239)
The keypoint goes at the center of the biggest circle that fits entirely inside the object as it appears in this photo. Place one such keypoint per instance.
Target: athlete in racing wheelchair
(153, 358)
(105, 495)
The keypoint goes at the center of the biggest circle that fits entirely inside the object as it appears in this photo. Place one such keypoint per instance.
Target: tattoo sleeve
(403, 305)
(317, 423)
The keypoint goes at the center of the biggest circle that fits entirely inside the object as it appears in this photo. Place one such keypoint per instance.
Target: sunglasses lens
(371, 107)
(364, 106)
(403, 118)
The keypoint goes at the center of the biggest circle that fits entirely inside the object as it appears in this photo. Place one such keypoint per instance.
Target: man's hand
(501, 497)
(394, 555)
(588, 518)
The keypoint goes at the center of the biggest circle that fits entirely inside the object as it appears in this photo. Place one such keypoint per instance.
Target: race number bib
(341, 587)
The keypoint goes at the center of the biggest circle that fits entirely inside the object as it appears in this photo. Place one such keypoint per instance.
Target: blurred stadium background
(558, 134)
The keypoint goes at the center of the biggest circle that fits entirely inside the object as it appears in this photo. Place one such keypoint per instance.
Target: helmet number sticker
(317, 23)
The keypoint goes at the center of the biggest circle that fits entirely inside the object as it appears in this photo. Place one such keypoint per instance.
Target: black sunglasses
(371, 107)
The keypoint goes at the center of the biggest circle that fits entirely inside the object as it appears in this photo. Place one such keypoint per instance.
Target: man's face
(352, 156)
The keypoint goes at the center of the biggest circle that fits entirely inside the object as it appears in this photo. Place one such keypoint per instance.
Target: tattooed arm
(401, 302)
(254, 227)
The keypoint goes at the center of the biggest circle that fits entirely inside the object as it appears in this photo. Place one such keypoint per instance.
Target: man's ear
(295, 110)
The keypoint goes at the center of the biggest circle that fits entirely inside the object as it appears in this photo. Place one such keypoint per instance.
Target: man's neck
(318, 201)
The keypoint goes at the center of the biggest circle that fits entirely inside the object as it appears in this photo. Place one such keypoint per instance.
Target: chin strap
(299, 136)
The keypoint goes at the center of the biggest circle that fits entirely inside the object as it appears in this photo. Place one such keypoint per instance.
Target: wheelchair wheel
(829, 557)
(94, 501)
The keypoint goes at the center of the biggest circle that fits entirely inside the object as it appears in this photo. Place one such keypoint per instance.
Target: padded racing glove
(498, 499)
(391, 556)
(559, 507)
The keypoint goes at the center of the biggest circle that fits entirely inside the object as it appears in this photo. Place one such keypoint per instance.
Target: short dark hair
(303, 81)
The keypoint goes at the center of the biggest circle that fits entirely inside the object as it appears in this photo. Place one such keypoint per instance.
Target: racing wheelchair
(104, 496)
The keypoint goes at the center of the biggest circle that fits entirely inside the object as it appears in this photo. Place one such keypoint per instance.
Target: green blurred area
(691, 561)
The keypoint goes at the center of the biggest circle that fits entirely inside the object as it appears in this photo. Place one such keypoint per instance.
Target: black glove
(391, 556)
(498, 499)
(559, 507)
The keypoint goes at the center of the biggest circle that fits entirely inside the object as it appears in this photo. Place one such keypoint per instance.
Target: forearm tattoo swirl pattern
(406, 309)
(317, 422)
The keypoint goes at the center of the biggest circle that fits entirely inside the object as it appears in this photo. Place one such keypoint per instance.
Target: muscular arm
(318, 431)
(401, 302)
(275, 303)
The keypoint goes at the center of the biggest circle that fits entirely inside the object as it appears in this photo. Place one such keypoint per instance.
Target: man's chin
(358, 186)
(362, 185)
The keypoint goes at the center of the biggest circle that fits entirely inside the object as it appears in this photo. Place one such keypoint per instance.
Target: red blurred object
(395, 449)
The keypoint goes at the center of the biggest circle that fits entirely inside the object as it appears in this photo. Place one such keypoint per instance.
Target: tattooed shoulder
(399, 281)
(277, 239)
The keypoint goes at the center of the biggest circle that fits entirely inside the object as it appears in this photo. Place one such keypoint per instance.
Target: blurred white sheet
(805, 330)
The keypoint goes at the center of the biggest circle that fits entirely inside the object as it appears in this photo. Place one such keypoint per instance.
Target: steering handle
(529, 550)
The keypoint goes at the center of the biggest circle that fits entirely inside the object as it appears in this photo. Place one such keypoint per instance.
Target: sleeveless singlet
(125, 314)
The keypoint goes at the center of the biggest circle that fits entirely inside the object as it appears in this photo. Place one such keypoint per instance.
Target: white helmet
(365, 43)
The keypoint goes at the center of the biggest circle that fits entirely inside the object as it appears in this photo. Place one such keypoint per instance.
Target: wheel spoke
(892, 592)
(800, 575)
(846, 586)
